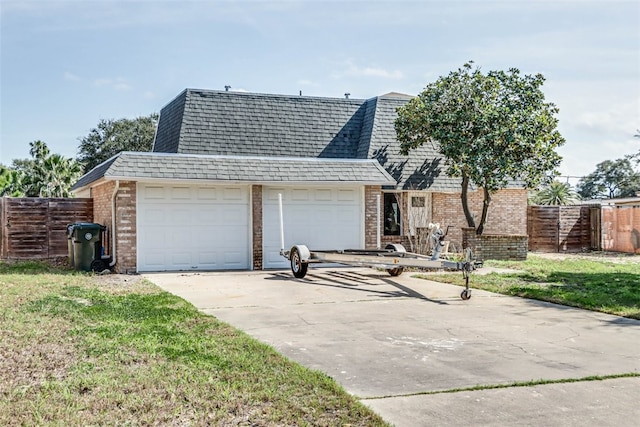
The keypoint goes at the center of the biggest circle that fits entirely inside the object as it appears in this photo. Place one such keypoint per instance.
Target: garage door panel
(191, 227)
(321, 218)
(347, 196)
(207, 193)
(325, 195)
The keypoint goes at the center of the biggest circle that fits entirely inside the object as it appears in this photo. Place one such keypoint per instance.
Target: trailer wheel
(395, 271)
(465, 295)
(298, 267)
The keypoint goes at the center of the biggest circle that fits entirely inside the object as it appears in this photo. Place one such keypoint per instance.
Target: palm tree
(46, 174)
(58, 175)
(556, 193)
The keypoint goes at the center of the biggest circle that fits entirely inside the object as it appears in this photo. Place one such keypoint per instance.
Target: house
(206, 197)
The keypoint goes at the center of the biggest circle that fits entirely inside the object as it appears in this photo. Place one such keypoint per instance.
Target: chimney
(346, 95)
(226, 88)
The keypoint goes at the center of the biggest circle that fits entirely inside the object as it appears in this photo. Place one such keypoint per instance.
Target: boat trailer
(394, 258)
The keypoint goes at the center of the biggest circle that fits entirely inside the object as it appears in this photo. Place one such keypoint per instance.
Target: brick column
(256, 209)
(371, 214)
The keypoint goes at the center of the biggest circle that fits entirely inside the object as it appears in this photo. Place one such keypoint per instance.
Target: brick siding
(500, 247)
(370, 215)
(126, 233)
(507, 213)
(256, 206)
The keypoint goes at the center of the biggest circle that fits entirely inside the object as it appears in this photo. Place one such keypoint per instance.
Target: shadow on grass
(615, 293)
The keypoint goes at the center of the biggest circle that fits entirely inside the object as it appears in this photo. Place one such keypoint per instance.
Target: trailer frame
(393, 258)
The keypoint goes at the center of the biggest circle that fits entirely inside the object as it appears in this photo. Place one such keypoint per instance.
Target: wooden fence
(32, 228)
(563, 228)
(621, 229)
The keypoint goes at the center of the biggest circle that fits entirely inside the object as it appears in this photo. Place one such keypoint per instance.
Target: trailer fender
(299, 257)
(396, 247)
(303, 251)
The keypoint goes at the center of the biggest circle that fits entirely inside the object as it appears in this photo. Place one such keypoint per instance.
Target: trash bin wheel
(98, 265)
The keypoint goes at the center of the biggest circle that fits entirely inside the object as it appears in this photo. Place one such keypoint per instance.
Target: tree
(113, 136)
(10, 182)
(44, 175)
(490, 128)
(612, 178)
(556, 193)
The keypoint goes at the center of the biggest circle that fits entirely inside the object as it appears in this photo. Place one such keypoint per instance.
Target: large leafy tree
(44, 175)
(612, 178)
(490, 128)
(113, 136)
(556, 193)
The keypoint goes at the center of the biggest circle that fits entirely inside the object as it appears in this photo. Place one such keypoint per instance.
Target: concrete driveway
(408, 348)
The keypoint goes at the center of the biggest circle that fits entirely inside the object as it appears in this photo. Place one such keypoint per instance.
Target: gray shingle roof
(245, 124)
(423, 168)
(261, 170)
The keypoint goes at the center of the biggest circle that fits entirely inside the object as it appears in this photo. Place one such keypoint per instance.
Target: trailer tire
(394, 272)
(298, 267)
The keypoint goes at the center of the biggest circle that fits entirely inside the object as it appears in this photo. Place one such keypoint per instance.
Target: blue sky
(65, 65)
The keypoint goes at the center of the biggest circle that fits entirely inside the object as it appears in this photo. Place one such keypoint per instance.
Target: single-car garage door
(321, 218)
(192, 227)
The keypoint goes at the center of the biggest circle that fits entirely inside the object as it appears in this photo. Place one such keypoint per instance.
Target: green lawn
(79, 349)
(609, 285)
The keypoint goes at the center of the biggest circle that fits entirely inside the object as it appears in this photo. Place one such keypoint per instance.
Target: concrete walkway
(393, 341)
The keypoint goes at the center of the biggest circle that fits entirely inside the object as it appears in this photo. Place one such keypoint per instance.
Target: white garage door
(321, 218)
(186, 227)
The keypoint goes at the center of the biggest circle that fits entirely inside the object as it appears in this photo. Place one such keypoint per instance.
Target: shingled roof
(239, 169)
(248, 124)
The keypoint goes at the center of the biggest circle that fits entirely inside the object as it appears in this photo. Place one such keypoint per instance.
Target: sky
(66, 65)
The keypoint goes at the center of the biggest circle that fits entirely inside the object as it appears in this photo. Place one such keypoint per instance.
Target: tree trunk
(485, 211)
(465, 201)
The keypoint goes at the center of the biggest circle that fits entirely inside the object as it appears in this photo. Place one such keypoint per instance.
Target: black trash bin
(87, 247)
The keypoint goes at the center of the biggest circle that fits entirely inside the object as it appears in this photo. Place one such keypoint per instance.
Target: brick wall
(500, 247)
(126, 233)
(507, 213)
(256, 202)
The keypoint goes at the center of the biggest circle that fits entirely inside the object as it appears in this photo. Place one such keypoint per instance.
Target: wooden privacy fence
(37, 227)
(621, 229)
(563, 228)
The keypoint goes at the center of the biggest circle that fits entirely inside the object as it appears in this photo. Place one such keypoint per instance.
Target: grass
(606, 285)
(79, 349)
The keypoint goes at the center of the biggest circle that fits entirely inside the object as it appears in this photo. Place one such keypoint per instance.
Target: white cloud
(71, 77)
(356, 71)
(117, 84)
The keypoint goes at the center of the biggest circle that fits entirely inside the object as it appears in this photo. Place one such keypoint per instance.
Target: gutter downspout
(113, 223)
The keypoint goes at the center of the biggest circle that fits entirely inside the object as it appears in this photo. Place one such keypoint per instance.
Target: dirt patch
(123, 283)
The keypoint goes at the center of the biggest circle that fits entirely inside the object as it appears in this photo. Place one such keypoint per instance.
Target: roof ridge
(273, 95)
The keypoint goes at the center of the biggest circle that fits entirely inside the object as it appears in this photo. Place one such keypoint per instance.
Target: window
(392, 215)
(417, 202)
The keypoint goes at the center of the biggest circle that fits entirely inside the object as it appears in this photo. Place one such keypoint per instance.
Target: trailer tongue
(394, 258)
